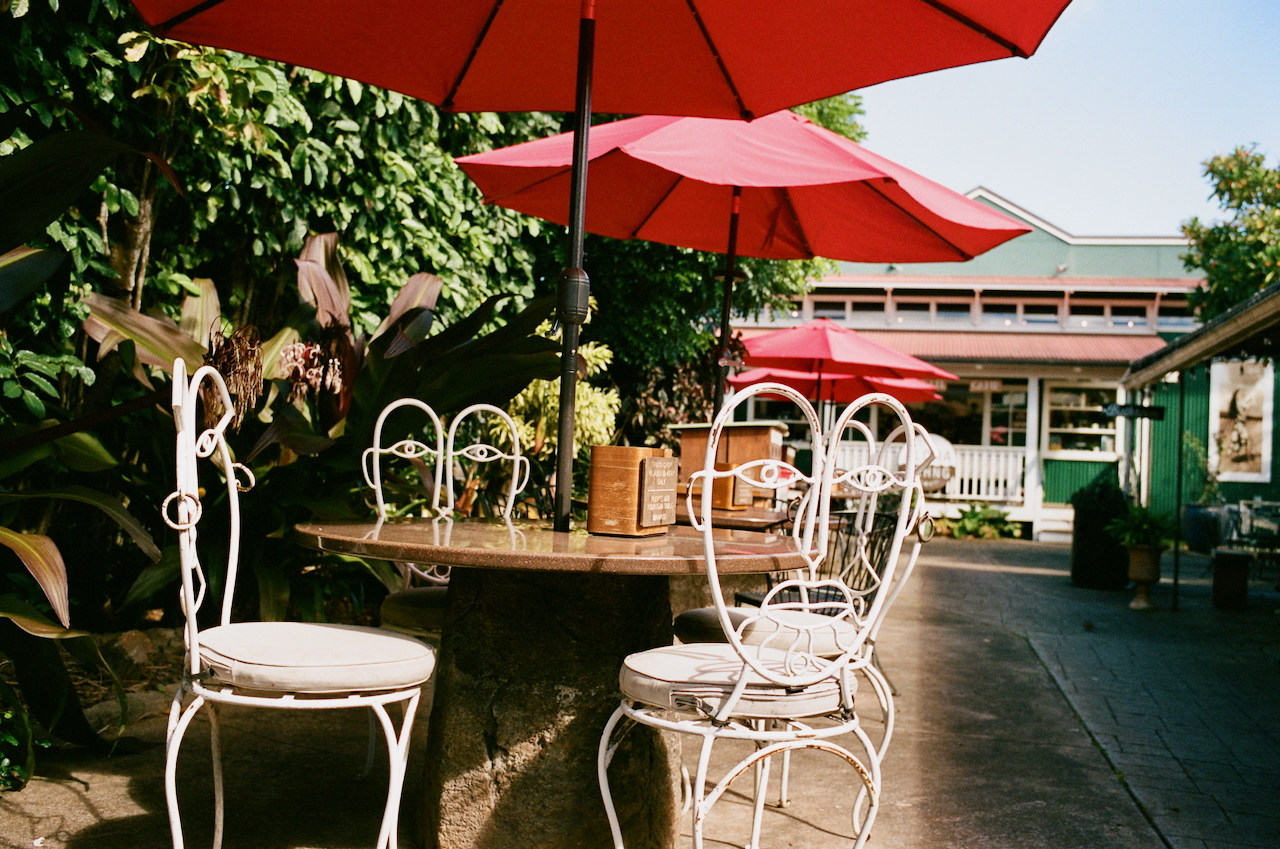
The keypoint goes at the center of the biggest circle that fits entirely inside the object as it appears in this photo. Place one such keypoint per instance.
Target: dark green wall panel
(1063, 477)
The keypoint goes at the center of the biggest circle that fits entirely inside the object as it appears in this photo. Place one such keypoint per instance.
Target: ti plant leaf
(43, 560)
(106, 503)
(157, 343)
(23, 271)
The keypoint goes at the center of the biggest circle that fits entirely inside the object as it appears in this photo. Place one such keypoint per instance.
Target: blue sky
(1103, 130)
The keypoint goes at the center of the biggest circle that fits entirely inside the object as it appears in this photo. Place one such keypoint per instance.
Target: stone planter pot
(1144, 571)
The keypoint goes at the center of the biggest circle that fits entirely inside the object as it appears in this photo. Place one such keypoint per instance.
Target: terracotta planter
(1144, 570)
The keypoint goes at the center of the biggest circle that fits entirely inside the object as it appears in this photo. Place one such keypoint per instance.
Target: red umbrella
(825, 348)
(841, 388)
(779, 187)
(720, 58)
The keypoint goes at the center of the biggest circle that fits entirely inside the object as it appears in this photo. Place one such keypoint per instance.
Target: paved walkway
(1031, 714)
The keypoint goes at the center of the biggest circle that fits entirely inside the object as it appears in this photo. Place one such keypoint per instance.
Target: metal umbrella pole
(575, 287)
(726, 307)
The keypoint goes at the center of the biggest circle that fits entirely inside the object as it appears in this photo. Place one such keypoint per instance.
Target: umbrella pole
(574, 290)
(726, 306)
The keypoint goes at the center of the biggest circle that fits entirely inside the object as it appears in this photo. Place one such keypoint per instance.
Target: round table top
(534, 545)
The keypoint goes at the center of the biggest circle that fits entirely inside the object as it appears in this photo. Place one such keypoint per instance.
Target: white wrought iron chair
(419, 610)
(785, 676)
(280, 665)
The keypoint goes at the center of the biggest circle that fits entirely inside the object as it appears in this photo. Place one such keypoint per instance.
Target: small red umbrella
(841, 388)
(825, 348)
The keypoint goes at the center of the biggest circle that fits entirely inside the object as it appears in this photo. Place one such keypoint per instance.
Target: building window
(912, 312)
(1128, 316)
(834, 310)
(1087, 315)
(1000, 315)
(1075, 421)
(1040, 314)
(952, 313)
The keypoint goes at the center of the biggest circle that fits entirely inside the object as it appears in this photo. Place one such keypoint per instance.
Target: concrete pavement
(1031, 714)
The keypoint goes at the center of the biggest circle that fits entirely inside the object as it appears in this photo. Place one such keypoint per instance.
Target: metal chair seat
(305, 657)
(700, 678)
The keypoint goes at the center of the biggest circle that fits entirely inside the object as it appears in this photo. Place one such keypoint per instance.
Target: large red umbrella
(825, 348)
(779, 187)
(841, 388)
(719, 58)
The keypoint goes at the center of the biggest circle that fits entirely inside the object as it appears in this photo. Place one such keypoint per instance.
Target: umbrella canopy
(841, 388)
(824, 347)
(718, 58)
(805, 191)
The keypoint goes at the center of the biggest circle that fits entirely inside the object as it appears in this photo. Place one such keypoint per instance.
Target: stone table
(538, 624)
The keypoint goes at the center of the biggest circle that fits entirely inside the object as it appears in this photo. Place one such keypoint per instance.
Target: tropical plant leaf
(421, 291)
(322, 281)
(43, 560)
(20, 460)
(39, 182)
(84, 452)
(462, 331)
(41, 675)
(157, 343)
(154, 577)
(23, 271)
(273, 592)
(23, 747)
(106, 503)
(200, 312)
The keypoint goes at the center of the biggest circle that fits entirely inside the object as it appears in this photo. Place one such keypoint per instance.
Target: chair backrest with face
(481, 435)
(794, 651)
(185, 507)
(426, 455)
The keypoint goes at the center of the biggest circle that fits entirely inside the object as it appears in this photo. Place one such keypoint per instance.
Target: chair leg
(373, 746)
(219, 797)
(398, 756)
(762, 788)
(179, 719)
(603, 756)
(700, 812)
(884, 694)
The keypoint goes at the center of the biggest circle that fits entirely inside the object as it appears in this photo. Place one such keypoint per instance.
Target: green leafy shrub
(979, 521)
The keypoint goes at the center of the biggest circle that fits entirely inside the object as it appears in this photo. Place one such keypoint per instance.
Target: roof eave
(1228, 330)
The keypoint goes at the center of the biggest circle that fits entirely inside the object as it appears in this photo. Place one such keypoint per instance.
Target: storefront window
(1076, 422)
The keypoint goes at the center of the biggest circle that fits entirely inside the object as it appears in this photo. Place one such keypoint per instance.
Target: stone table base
(527, 678)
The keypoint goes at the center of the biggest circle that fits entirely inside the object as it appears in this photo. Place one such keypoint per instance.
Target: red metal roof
(1053, 284)
(1078, 348)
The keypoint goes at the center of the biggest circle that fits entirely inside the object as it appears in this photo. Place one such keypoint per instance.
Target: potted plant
(1146, 535)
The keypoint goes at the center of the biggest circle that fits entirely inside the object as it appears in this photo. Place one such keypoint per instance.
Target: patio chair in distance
(278, 665)
(419, 610)
(789, 685)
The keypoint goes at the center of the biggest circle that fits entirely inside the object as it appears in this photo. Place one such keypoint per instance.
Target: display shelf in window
(1075, 421)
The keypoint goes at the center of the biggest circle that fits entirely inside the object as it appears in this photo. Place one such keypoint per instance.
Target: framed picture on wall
(1241, 395)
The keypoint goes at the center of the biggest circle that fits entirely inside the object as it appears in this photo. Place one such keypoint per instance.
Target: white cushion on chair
(829, 637)
(684, 677)
(415, 609)
(304, 657)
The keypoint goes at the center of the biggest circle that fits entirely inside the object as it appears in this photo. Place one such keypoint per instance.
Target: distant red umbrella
(841, 388)
(779, 187)
(721, 58)
(825, 348)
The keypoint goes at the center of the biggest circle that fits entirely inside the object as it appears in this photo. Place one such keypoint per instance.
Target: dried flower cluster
(309, 370)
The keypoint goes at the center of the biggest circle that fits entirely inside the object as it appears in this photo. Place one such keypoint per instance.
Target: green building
(1040, 331)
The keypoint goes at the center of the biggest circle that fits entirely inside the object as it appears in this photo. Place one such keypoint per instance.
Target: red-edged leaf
(420, 290)
(43, 560)
(158, 343)
(325, 286)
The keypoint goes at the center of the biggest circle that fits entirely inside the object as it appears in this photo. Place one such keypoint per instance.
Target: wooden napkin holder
(631, 491)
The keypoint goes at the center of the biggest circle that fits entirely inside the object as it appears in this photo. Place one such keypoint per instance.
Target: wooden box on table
(743, 442)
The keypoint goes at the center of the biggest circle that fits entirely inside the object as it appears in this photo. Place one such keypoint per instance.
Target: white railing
(981, 474)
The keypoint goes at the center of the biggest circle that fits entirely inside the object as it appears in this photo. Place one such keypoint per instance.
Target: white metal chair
(784, 675)
(280, 665)
(419, 610)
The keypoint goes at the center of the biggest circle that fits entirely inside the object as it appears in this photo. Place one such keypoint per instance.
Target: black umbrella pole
(575, 287)
(726, 305)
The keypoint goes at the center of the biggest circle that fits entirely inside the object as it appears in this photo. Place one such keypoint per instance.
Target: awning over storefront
(1244, 331)
(1019, 348)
